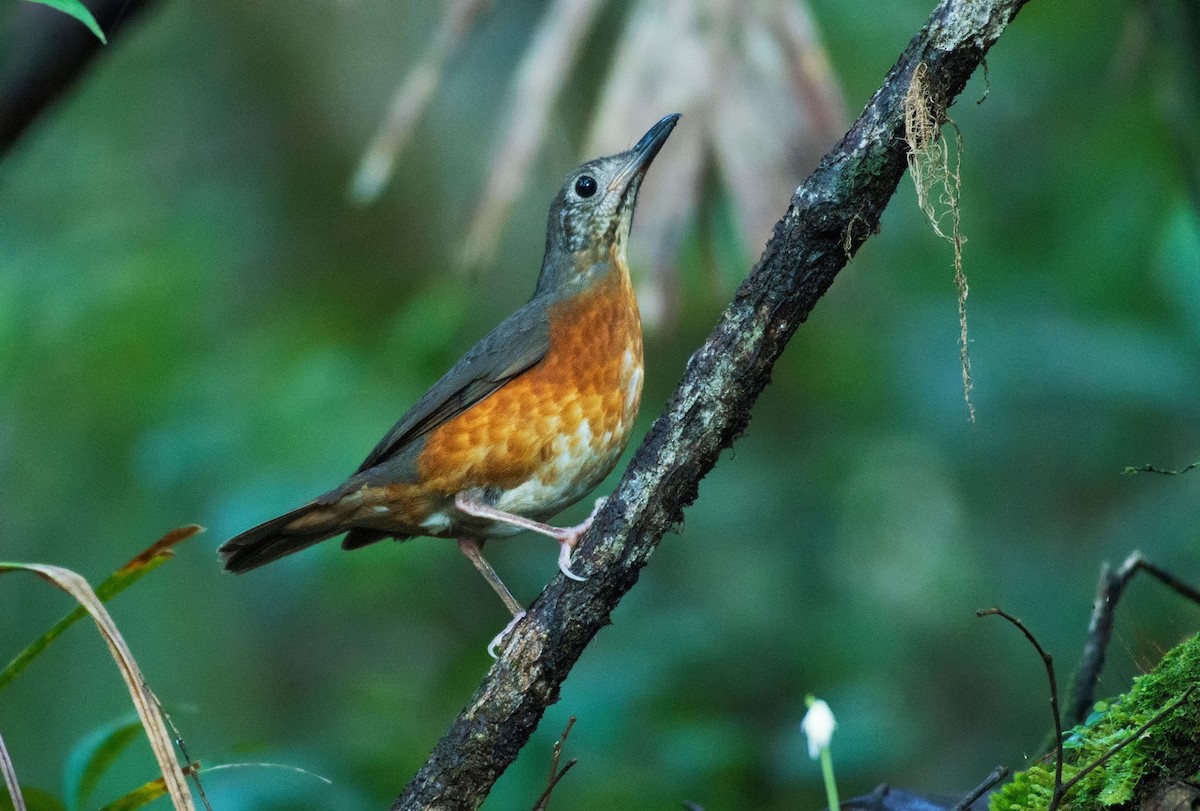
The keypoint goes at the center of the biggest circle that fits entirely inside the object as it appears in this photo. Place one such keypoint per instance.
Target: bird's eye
(585, 186)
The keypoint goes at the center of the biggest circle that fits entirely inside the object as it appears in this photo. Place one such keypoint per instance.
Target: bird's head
(591, 215)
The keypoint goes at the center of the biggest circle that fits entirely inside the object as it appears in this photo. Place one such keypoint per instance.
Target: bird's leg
(474, 552)
(567, 537)
(472, 549)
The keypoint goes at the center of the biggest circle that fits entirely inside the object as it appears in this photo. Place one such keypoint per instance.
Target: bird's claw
(569, 541)
(564, 560)
(494, 645)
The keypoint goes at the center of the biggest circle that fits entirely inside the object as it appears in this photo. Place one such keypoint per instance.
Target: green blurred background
(195, 326)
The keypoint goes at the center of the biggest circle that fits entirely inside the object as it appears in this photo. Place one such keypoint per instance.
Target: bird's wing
(520, 341)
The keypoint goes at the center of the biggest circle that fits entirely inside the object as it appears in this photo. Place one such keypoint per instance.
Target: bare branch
(1048, 662)
(1108, 593)
(991, 781)
(1129, 471)
(831, 215)
(556, 773)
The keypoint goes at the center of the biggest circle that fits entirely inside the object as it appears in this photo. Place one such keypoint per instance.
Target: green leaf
(147, 561)
(77, 10)
(138, 797)
(35, 800)
(93, 755)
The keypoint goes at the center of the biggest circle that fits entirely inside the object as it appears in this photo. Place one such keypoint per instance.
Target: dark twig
(192, 767)
(999, 773)
(707, 413)
(544, 799)
(1048, 661)
(556, 773)
(1129, 471)
(1108, 592)
(1171, 581)
(1060, 787)
(1095, 651)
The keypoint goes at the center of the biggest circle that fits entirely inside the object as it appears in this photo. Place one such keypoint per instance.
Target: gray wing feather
(520, 341)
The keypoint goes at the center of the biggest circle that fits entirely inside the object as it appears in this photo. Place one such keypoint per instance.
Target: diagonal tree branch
(830, 216)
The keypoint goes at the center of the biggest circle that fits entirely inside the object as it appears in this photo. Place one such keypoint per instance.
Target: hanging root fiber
(935, 173)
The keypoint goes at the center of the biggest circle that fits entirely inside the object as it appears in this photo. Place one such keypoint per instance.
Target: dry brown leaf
(751, 78)
(775, 110)
(661, 65)
(540, 76)
(760, 106)
(410, 100)
(143, 700)
(164, 545)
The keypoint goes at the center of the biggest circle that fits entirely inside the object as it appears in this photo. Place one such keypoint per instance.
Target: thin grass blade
(145, 562)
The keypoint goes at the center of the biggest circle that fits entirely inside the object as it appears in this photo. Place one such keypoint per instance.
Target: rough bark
(830, 216)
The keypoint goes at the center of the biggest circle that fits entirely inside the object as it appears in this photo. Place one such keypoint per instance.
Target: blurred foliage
(142, 564)
(84, 770)
(196, 326)
(79, 11)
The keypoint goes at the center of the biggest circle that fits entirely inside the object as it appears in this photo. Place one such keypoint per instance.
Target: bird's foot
(567, 537)
(564, 561)
(596, 508)
(494, 645)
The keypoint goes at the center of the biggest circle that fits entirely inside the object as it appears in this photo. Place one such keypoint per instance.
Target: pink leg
(567, 537)
(471, 548)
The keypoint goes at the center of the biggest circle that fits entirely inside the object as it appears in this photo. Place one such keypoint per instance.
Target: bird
(528, 422)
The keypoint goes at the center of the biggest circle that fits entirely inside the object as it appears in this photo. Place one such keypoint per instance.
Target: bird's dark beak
(643, 152)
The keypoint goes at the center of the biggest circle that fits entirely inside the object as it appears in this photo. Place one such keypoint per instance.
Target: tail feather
(359, 537)
(278, 537)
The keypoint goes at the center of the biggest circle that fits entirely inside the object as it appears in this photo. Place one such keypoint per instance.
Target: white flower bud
(818, 726)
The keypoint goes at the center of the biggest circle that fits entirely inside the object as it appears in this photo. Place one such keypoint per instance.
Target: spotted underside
(528, 421)
(542, 440)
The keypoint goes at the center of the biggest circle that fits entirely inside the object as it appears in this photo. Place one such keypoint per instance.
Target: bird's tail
(290, 532)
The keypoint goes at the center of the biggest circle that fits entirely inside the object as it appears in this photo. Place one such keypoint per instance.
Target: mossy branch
(831, 214)
(1135, 744)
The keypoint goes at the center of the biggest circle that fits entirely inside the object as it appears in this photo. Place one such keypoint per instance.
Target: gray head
(592, 212)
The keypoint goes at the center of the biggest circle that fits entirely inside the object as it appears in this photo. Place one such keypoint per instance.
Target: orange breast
(546, 438)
